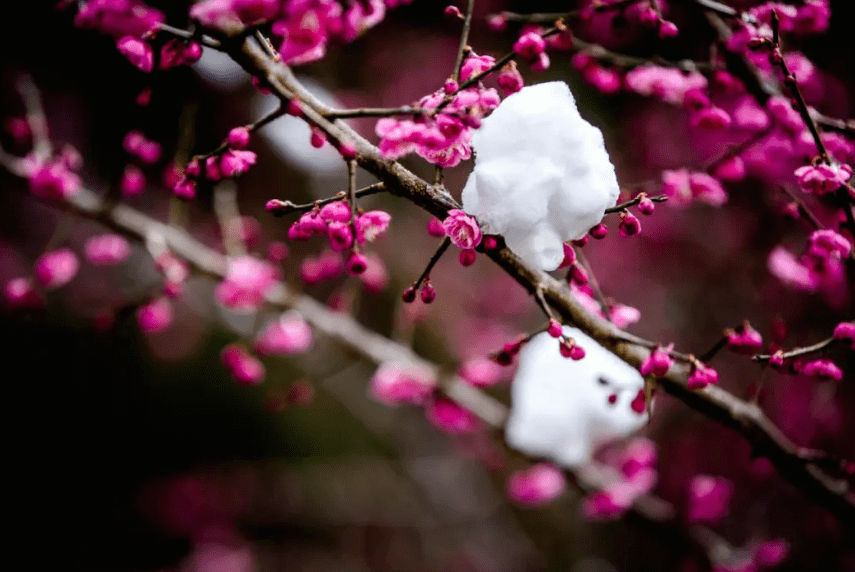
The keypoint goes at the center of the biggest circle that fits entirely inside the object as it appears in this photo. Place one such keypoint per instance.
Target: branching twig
(798, 352)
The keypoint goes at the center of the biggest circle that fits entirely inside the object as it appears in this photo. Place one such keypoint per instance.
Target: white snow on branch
(560, 408)
(542, 174)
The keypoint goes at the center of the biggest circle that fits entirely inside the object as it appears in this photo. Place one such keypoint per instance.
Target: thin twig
(287, 207)
(375, 112)
(443, 246)
(464, 39)
(797, 352)
(605, 305)
(803, 208)
(632, 202)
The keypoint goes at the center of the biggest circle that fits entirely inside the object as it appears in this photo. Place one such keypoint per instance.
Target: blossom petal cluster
(683, 187)
(305, 27)
(536, 485)
(542, 174)
(564, 409)
(119, 17)
(667, 84)
(445, 138)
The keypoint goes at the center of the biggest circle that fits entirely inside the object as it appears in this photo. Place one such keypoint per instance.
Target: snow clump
(542, 174)
(563, 409)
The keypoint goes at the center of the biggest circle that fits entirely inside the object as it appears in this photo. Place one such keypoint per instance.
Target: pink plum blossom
(106, 249)
(138, 52)
(245, 368)
(288, 335)
(246, 282)
(450, 417)
(462, 229)
(709, 499)
(20, 293)
(393, 384)
(56, 268)
(537, 485)
(155, 316)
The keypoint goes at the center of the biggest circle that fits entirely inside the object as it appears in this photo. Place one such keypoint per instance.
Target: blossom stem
(541, 302)
(188, 35)
(632, 202)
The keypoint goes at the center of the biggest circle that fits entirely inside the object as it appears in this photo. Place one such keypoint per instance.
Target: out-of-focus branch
(718, 404)
(35, 116)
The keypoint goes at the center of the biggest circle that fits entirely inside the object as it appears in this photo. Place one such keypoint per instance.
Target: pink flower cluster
(444, 139)
(744, 339)
(231, 163)
(247, 281)
(119, 17)
(305, 26)
(333, 221)
(605, 79)
(820, 268)
(54, 179)
(701, 376)
(822, 369)
(137, 145)
(174, 53)
(682, 187)
(668, 84)
(537, 485)
(658, 362)
(823, 179)
(636, 477)
(811, 17)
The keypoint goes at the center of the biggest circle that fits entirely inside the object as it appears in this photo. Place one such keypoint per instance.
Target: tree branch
(718, 404)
